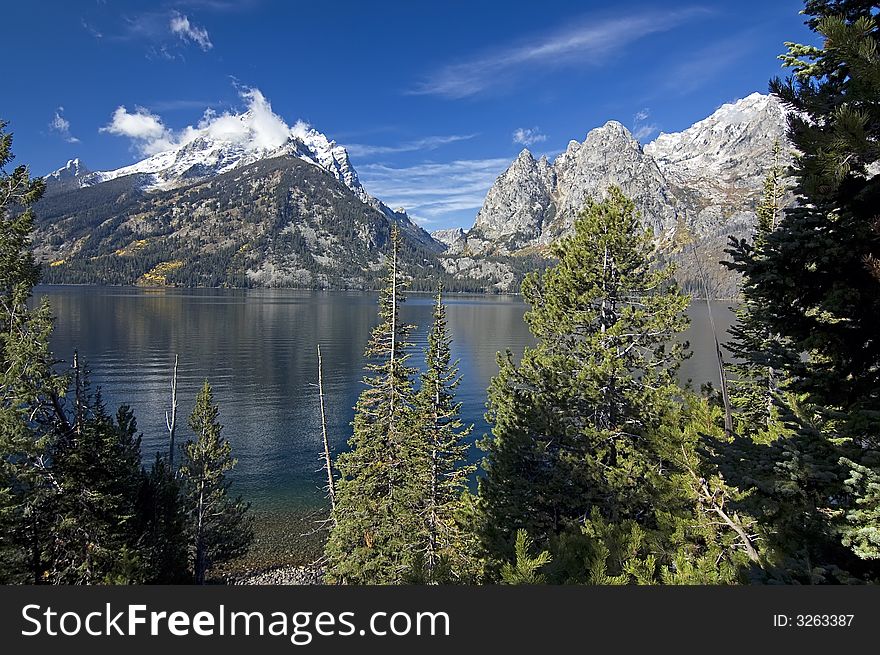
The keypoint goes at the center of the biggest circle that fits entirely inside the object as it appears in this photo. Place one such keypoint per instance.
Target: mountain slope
(280, 221)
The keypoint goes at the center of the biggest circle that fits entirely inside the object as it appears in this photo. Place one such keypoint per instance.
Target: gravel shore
(282, 575)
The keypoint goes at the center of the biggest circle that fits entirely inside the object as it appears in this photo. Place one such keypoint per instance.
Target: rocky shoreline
(280, 575)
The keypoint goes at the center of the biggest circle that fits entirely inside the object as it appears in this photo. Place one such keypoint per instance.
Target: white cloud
(528, 135)
(426, 143)
(61, 126)
(257, 128)
(435, 193)
(641, 128)
(587, 44)
(141, 126)
(181, 26)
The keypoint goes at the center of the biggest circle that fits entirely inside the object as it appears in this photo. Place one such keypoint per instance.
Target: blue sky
(432, 99)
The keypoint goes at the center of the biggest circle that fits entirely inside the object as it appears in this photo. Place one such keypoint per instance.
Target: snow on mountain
(223, 143)
(734, 144)
(68, 176)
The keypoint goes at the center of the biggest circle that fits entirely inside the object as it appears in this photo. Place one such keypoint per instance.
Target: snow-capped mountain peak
(73, 168)
(222, 143)
(731, 143)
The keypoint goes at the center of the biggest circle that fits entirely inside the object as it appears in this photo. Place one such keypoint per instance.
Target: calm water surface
(257, 348)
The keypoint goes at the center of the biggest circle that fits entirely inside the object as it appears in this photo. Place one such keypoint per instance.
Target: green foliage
(813, 283)
(218, 527)
(525, 569)
(441, 461)
(377, 494)
(759, 355)
(862, 532)
(27, 382)
(571, 419)
(96, 467)
(162, 526)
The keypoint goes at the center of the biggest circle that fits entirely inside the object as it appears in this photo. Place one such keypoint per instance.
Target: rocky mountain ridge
(693, 188)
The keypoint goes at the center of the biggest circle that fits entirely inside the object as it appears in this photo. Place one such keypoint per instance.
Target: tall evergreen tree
(442, 459)
(162, 526)
(28, 387)
(96, 465)
(218, 526)
(817, 281)
(757, 351)
(571, 422)
(377, 493)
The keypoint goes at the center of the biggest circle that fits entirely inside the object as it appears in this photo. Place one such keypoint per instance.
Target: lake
(257, 347)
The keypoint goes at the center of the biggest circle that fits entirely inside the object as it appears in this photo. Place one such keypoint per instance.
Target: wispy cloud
(166, 33)
(642, 128)
(435, 193)
(706, 64)
(61, 126)
(426, 143)
(91, 29)
(528, 135)
(183, 28)
(588, 44)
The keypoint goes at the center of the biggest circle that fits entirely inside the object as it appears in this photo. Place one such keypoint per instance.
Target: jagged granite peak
(535, 202)
(609, 156)
(73, 168)
(516, 206)
(69, 176)
(695, 188)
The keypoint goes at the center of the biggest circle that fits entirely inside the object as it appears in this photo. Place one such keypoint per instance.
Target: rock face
(516, 206)
(448, 237)
(67, 177)
(693, 188)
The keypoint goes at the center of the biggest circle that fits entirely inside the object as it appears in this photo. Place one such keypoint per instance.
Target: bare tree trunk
(393, 331)
(77, 407)
(725, 396)
(200, 563)
(331, 488)
(171, 420)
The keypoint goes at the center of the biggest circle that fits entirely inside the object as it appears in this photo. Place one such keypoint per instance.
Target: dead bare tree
(722, 374)
(331, 488)
(171, 418)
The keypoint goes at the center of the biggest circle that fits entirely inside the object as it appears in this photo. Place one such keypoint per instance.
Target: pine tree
(755, 381)
(571, 421)
(29, 389)
(162, 526)
(817, 281)
(96, 466)
(442, 458)
(525, 569)
(377, 492)
(218, 526)
(693, 533)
